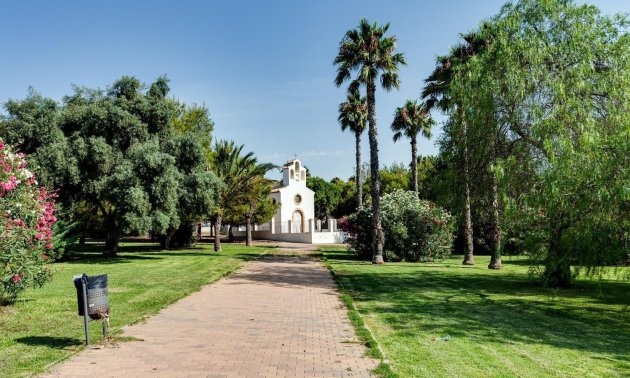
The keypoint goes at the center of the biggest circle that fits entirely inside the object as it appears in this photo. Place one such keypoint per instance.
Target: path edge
(47, 368)
(362, 330)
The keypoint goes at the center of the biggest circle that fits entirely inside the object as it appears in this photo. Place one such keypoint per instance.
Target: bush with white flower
(26, 221)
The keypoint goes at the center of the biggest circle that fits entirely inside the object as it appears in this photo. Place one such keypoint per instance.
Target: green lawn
(43, 326)
(447, 320)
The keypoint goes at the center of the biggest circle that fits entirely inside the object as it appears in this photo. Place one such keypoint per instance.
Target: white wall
(336, 237)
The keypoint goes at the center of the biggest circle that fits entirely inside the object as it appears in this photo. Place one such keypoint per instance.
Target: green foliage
(560, 69)
(132, 160)
(538, 89)
(415, 230)
(392, 178)
(327, 196)
(347, 203)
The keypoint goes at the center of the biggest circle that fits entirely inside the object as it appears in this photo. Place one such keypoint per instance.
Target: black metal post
(84, 282)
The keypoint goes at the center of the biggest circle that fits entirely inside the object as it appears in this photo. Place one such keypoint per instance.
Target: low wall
(336, 237)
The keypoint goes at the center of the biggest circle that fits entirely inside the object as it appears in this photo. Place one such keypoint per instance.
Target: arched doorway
(297, 221)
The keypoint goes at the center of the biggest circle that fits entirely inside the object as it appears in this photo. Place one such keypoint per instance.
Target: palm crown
(367, 51)
(237, 170)
(436, 90)
(412, 119)
(353, 113)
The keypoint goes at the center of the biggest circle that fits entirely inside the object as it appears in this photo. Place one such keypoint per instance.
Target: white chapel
(294, 221)
(296, 200)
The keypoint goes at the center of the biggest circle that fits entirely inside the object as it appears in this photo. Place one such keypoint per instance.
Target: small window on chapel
(297, 166)
(292, 174)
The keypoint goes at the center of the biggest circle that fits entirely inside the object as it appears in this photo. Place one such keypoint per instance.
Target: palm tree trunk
(378, 237)
(357, 174)
(248, 231)
(468, 229)
(414, 165)
(217, 234)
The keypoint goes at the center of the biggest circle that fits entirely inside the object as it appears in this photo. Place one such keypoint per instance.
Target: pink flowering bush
(26, 221)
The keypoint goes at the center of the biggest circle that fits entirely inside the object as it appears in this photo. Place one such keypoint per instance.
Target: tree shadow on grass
(50, 341)
(506, 307)
(99, 258)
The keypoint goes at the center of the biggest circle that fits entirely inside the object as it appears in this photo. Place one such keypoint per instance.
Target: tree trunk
(82, 239)
(166, 242)
(111, 242)
(557, 266)
(357, 175)
(248, 231)
(217, 234)
(496, 233)
(199, 231)
(414, 165)
(378, 237)
(468, 229)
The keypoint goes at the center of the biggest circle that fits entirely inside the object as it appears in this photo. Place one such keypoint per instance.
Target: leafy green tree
(259, 207)
(552, 77)
(410, 120)
(196, 120)
(425, 168)
(197, 193)
(32, 126)
(117, 153)
(353, 116)
(326, 198)
(372, 55)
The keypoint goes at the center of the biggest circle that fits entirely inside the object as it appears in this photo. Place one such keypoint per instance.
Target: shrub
(415, 230)
(26, 221)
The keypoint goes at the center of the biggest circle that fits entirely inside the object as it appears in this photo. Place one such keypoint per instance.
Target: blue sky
(264, 69)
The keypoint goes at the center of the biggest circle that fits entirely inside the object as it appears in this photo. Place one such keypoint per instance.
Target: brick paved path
(279, 316)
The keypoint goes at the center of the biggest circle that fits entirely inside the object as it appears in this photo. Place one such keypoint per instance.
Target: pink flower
(40, 236)
(16, 278)
(49, 246)
(44, 257)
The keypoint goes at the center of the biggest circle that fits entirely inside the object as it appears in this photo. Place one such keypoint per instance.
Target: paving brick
(278, 316)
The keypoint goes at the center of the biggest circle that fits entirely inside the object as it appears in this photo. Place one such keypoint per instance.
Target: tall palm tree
(436, 94)
(237, 172)
(410, 120)
(353, 116)
(368, 52)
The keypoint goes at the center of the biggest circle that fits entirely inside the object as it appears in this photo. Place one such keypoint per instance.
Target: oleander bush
(26, 227)
(415, 229)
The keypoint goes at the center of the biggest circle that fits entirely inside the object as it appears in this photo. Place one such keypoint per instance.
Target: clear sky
(263, 68)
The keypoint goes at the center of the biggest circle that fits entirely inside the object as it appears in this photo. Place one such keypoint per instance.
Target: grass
(447, 320)
(43, 326)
